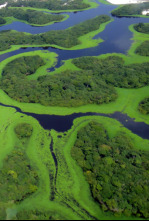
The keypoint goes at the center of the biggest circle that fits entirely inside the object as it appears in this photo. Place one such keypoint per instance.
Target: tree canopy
(116, 171)
(30, 16)
(114, 72)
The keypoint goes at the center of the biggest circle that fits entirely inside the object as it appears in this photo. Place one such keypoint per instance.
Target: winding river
(117, 39)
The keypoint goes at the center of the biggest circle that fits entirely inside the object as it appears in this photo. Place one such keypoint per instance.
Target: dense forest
(52, 4)
(114, 72)
(116, 172)
(130, 10)
(143, 49)
(142, 27)
(26, 65)
(18, 179)
(31, 16)
(94, 84)
(144, 106)
(66, 89)
(65, 38)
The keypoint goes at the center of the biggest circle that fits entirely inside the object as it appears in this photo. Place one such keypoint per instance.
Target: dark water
(117, 39)
(64, 123)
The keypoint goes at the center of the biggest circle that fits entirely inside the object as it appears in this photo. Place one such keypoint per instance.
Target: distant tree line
(52, 4)
(64, 38)
(116, 171)
(30, 16)
(130, 9)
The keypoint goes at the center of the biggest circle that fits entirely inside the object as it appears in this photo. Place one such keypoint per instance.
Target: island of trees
(52, 4)
(130, 10)
(30, 16)
(116, 171)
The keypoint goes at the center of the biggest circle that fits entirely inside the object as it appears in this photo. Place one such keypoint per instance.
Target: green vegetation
(53, 4)
(130, 10)
(23, 66)
(114, 72)
(142, 27)
(68, 89)
(23, 130)
(144, 106)
(64, 38)
(39, 215)
(18, 179)
(91, 85)
(30, 16)
(2, 21)
(72, 200)
(116, 172)
(143, 49)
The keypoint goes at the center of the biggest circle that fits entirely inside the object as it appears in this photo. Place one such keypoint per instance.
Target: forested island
(131, 10)
(30, 16)
(52, 4)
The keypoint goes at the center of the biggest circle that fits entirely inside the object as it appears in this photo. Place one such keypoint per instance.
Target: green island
(55, 5)
(32, 17)
(95, 170)
(133, 10)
